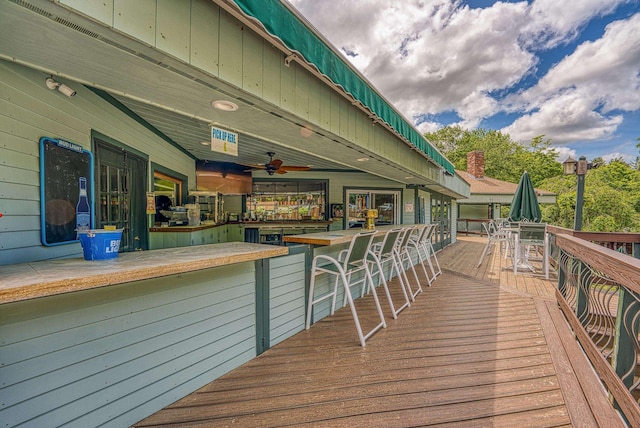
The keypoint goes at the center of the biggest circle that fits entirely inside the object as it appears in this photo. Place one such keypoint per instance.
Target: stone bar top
(334, 237)
(45, 278)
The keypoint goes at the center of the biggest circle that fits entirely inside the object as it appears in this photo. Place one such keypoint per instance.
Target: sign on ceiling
(224, 141)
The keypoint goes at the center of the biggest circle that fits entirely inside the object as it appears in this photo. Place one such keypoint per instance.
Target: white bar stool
(383, 254)
(350, 262)
(403, 255)
(418, 242)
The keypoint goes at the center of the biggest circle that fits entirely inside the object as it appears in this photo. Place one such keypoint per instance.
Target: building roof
(492, 186)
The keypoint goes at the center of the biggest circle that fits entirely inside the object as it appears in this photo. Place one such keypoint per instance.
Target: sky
(565, 69)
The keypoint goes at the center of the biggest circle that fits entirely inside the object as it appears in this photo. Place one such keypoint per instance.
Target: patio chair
(383, 257)
(531, 236)
(352, 269)
(494, 236)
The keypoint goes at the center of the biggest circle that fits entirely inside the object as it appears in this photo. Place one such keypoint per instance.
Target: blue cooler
(100, 244)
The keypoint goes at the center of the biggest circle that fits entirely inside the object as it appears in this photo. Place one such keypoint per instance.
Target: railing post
(625, 343)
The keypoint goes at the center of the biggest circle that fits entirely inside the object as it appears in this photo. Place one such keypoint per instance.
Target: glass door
(441, 216)
(359, 201)
(121, 179)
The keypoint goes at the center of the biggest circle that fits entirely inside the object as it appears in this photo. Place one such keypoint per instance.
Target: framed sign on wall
(66, 191)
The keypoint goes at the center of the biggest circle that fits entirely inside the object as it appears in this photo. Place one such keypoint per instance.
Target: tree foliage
(504, 158)
(612, 191)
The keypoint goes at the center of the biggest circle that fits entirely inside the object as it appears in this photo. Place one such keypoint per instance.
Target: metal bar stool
(350, 263)
(383, 254)
(428, 243)
(403, 255)
(418, 242)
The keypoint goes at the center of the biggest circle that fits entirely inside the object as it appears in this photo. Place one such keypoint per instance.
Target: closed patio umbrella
(524, 206)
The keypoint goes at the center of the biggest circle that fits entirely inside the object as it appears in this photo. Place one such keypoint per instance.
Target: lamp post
(579, 168)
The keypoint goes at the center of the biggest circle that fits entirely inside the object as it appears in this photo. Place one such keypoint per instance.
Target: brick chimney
(475, 163)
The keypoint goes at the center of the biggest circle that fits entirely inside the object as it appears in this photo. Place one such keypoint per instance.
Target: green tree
(612, 191)
(504, 158)
(611, 199)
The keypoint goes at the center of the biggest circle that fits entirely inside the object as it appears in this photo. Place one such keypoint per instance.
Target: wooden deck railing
(599, 293)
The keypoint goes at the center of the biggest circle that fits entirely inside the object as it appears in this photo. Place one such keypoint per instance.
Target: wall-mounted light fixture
(53, 84)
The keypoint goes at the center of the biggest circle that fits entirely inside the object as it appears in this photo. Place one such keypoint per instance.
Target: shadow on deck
(477, 348)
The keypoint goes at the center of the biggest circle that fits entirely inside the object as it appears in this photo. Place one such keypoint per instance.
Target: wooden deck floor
(474, 350)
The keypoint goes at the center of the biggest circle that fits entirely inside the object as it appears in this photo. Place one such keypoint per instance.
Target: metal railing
(599, 294)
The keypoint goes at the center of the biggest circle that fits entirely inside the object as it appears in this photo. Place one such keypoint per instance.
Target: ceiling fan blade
(280, 171)
(275, 164)
(295, 168)
(252, 165)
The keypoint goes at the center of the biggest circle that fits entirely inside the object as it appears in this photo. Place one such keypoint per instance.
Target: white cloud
(564, 153)
(574, 101)
(566, 118)
(617, 155)
(427, 126)
(431, 56)
(440, 56)
(554, 22)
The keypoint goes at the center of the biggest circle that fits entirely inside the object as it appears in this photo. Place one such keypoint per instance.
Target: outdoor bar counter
(88, 343)
(46, 278)
(334, 237)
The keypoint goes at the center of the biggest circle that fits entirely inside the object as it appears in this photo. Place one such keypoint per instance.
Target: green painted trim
(99, 136)
(416, 204)
(117, 104)
(280, 21)
(263, 320)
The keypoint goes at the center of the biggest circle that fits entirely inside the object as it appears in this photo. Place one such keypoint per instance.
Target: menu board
(66, 197)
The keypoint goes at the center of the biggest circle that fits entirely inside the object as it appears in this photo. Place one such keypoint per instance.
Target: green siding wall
(286, 297)
(29, 111)
(115, 355)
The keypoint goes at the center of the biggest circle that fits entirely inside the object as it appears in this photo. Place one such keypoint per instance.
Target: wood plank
(468, 352)
(573, 364)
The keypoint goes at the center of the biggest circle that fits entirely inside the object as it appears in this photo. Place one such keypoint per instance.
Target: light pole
(579, 168)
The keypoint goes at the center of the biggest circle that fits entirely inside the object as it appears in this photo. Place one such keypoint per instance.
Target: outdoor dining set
(523, 241)
(522, 235)
(366, 265)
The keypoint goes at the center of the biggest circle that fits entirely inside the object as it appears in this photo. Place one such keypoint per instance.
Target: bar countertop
(45, 278)
(334, 237)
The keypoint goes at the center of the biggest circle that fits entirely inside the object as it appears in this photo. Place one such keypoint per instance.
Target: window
(166, 185)
(387, 202)
(288, 200)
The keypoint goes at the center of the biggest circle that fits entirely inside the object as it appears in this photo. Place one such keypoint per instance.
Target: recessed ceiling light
(205, 143)
(362, 159)
(224, 105)
(408, 177)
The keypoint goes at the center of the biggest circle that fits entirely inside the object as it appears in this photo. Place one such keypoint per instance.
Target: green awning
(280, 22)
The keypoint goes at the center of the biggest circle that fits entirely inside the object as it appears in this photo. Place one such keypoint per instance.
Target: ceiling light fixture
(224, 105)
(205, 143)
(362, 159)
(53, 84)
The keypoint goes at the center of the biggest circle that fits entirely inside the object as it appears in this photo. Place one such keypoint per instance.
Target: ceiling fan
(275, 166)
